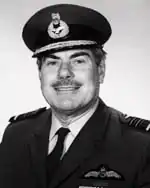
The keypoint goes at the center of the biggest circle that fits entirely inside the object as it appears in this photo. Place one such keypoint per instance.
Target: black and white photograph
(75, 94)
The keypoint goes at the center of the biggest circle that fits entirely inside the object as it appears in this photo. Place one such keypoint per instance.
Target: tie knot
(62, 133)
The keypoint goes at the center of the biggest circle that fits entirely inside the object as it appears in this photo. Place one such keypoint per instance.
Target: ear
(101, 71)
(39, 74)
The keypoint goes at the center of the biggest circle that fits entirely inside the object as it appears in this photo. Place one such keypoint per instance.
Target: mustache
(66, 82)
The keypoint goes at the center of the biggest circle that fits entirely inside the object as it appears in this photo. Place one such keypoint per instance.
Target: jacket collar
(38, 146)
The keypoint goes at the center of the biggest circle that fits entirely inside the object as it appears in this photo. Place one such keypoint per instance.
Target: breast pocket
(96, 183)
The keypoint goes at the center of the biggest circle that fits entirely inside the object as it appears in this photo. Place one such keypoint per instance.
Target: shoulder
(136, 122)
(133, 122)
(26, 121)
(25, 124)
(27, 115)
(133, 131)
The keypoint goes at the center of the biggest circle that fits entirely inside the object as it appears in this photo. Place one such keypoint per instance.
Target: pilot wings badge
(57, 28)
(104, 173)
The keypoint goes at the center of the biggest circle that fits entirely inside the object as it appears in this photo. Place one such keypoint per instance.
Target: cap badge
(57, 28)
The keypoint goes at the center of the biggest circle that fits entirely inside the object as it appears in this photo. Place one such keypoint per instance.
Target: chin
(67, 104)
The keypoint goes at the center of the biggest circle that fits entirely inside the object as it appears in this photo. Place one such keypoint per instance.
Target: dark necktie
(53, 159)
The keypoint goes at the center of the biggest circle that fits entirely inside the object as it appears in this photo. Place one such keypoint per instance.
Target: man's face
(70, 79)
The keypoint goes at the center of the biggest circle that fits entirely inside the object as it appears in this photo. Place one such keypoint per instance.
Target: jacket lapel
(84, 145)
(38, 145)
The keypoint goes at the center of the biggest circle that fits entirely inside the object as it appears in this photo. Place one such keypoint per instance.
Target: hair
(98, 53)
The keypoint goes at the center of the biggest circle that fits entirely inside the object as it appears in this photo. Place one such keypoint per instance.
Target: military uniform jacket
(106, 153)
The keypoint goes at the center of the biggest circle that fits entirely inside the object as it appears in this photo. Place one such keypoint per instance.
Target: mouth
(66, 88)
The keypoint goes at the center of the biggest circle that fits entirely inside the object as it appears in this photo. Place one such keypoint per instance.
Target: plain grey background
(126, 86)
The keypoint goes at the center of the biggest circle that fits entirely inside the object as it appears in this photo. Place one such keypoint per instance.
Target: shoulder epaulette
(136, 122)
(27, 115)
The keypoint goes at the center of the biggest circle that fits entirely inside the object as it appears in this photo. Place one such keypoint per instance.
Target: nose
(65, 71)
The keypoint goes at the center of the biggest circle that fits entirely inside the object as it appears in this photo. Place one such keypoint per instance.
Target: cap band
(63, 44)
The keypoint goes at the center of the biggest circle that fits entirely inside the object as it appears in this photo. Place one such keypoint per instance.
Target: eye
(51, 62)
(79, 61)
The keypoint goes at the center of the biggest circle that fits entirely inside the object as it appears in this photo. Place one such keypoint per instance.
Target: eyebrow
(79, 54)
(52, 56)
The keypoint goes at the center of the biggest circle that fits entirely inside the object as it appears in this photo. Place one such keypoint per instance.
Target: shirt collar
(54, 127)
(75, 126)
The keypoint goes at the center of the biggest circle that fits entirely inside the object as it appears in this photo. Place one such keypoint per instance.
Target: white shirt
(74, 128)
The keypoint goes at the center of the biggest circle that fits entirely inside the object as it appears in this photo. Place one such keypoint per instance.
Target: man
(79, 142)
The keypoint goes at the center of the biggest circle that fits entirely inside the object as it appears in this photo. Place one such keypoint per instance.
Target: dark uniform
(108, 151)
